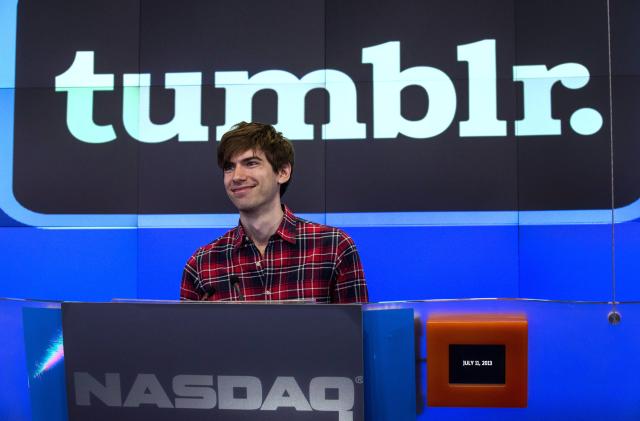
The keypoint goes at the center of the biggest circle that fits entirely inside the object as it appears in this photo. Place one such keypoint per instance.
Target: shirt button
(258, 264)
(267, 292)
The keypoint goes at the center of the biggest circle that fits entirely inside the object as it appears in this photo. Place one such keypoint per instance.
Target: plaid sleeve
(190, 280)
(350, 286)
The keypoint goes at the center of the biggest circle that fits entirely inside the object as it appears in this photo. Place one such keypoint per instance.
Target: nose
(238, 174)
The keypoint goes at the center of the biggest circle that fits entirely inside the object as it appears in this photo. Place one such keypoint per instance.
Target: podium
(566, 368)
(203, 361)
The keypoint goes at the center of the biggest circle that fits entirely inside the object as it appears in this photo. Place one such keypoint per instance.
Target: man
(271, 254)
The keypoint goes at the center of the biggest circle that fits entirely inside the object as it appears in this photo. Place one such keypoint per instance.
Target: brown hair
(250, 136)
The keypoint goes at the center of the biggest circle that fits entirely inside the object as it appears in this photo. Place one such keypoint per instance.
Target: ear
(284, 173)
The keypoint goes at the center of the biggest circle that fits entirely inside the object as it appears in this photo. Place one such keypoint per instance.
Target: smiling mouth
(241, 189)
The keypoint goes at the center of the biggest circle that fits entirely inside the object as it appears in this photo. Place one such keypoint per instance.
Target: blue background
(552, 262)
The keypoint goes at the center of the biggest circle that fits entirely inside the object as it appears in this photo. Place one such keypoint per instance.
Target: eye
(227, 167)
(252, 164)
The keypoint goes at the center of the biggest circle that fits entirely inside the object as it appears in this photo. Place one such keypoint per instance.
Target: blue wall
(552, 262)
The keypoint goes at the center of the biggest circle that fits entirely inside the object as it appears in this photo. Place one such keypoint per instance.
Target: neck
(261, 225)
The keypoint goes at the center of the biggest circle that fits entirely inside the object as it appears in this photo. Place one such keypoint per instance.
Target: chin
(244, 207)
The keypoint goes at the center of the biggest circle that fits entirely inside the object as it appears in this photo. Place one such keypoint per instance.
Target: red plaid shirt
(303, 260)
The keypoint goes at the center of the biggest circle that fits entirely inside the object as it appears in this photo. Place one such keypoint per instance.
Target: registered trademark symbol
(359, 380)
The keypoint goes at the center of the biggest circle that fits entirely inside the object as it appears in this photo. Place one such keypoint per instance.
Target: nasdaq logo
(207, 392)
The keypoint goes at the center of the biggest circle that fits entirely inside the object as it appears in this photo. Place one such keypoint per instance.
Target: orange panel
(510, 330)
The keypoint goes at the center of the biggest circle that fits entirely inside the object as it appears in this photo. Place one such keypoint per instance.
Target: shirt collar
(287, 229)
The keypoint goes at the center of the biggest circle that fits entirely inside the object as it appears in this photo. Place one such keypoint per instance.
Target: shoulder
(221, 244)
(314, 234)
(306, 229)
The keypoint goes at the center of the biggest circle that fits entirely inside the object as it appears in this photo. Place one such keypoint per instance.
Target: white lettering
(538, 81)
(193, 392)
(252, 391)
(285, 392)
(333, 394)
(342, 403)
(291, 92)
(136, 108)
(85, 386)
(483, 108)
(146, 389)
(388, 82)
(80, 82)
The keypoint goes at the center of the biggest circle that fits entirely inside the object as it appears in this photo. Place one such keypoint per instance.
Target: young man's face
(251, 183)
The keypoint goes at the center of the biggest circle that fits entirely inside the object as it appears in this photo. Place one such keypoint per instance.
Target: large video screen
(491, 145)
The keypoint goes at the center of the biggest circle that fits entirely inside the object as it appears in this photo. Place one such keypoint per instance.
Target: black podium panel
(132, 361)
